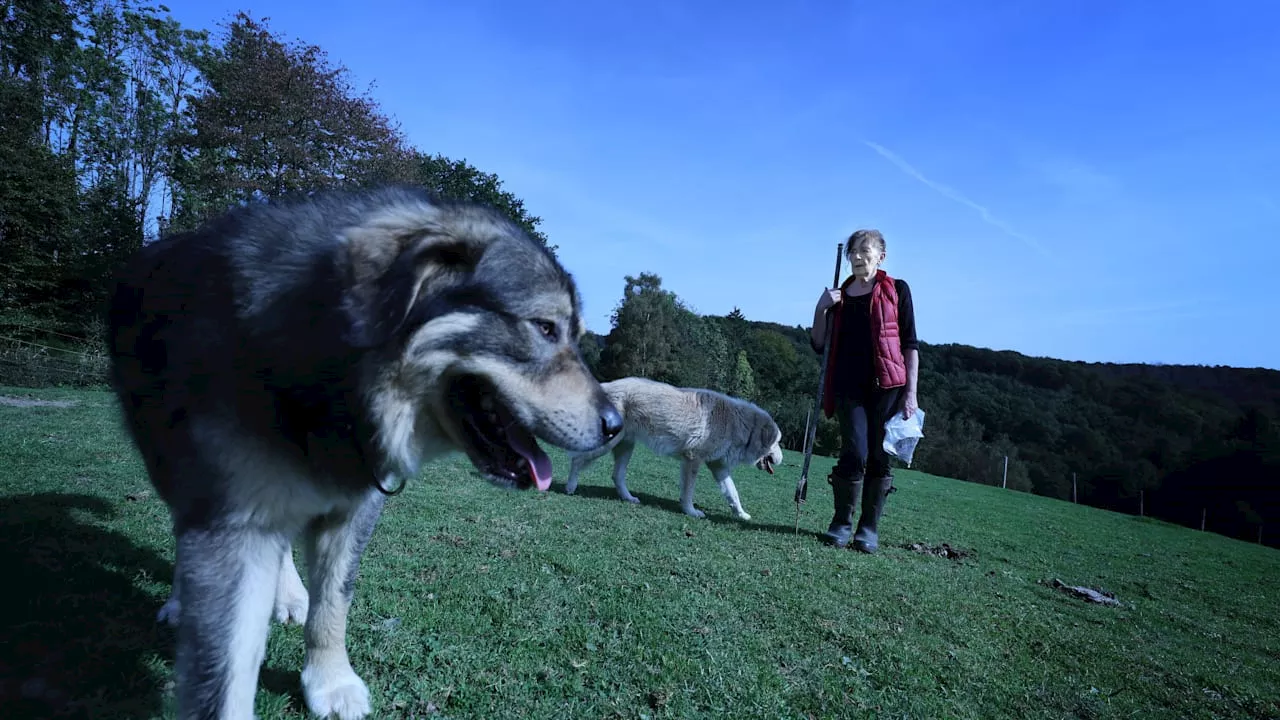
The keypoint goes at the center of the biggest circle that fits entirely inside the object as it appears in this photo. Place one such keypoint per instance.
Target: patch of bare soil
(943, 551)
(12, 401)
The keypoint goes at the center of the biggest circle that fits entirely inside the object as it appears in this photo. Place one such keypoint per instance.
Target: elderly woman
(871, 375)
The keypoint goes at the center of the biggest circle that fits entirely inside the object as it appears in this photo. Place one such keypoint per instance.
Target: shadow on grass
(79, 638)
(672, 505)
(283, 682)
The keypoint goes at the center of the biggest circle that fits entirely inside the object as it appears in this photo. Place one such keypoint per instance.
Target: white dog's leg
(621, 458)
(688, 474)
(290, 604)
(329, 684)
(228, 579)
(577, 463)
(730, 491)
(291, 594)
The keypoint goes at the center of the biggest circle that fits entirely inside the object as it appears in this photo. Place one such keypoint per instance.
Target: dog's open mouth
(766, 464)
(498, 444)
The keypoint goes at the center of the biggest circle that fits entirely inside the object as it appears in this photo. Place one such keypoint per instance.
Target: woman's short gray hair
(867, 234)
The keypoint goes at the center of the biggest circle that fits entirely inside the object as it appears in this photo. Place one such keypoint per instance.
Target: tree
(701, 352)
(743, 384)
(274, 119)
(645, 323)
(775, 362)
(37, 182)
(590, 346)
(457, 180)
(120, 124)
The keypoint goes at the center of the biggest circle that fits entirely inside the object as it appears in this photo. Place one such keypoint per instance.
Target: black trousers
(862, 417)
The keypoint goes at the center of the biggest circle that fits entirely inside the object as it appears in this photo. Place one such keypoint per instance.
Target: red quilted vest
(891, 368)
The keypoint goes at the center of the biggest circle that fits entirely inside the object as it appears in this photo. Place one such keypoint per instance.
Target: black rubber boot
(875, 491)
(845, 492)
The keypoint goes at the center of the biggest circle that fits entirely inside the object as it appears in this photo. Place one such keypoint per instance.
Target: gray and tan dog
(286, 366)
(698, 426)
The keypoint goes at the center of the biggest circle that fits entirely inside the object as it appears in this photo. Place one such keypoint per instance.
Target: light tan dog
(694, 424)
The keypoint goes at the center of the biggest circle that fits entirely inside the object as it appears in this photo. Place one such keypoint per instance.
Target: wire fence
(35, 355)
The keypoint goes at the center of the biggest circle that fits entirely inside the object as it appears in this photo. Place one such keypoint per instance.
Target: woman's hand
(909, 405)
(828, 298)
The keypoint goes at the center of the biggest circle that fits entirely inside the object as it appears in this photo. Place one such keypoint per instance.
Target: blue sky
(1077, 179)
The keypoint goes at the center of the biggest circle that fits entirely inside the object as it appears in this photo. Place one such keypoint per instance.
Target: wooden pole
(1004, 482)
(1142, 503)
(1073, 487)
(1204, 514)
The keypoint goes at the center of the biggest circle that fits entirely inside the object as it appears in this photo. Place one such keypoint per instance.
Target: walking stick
(811, 431)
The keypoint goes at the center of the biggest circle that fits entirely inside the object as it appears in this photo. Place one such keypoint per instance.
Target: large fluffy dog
(284, 367)
(696, 425)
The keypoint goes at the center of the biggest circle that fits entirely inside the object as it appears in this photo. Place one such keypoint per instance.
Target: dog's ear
(764, 433)
(391, 272)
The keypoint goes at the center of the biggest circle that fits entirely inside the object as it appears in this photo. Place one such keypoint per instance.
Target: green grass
(478, 603)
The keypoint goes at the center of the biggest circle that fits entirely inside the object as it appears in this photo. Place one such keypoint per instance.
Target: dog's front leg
(334, 546)
(224, 581)
(688, 474)
(171, 612)
(291, 594)
(621, 458)
(577, 463)
(730, 491)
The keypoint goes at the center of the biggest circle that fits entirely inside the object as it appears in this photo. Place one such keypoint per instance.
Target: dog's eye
(547, 328)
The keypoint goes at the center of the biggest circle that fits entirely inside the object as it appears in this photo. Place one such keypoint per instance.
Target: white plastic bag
(902, 433)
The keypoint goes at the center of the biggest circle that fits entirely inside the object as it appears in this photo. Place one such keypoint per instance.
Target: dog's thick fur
(698, 426)
(285, 365)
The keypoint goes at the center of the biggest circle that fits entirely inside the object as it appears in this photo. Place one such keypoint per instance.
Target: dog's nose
(610, 421)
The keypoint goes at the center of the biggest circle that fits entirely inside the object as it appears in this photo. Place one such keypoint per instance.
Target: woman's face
(865, 257)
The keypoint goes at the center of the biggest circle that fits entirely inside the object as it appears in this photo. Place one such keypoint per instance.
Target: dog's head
(470, 330)
(767, 440)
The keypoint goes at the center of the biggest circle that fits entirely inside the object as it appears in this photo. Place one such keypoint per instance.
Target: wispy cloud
(982, 211)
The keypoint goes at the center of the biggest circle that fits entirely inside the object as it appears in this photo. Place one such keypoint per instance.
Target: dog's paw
(170, 612)
(744, 515)
(333, 690)
(291, 603)
(291, 610)
(630, 498)
(694, 512)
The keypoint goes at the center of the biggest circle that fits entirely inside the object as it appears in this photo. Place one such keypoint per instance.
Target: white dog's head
(768, 438)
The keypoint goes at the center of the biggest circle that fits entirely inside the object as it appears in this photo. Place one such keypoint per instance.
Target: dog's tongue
(539, 464)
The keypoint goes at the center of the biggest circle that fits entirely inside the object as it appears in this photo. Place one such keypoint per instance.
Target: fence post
(1004, 482)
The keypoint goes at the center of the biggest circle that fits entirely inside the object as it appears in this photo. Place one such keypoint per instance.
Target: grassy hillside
(477, 603)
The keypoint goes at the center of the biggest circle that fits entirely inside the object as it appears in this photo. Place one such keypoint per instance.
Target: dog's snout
(610, 421)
